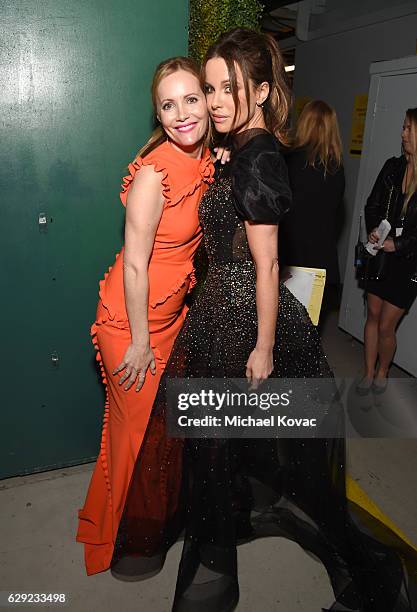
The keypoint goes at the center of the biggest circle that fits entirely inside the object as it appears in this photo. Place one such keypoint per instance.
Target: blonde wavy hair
(164, 69)
(318, 132)
(411, 115)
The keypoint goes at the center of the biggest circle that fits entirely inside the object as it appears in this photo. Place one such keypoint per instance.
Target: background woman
(308, 233)
(141, 306)
(389, 298)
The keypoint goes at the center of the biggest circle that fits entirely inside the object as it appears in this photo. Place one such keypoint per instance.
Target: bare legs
(380, 340)
(371, 334)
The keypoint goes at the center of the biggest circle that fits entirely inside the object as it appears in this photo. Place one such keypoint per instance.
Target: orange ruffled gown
(171, 276)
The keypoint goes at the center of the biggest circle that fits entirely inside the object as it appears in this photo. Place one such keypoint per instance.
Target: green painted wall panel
(75, 107)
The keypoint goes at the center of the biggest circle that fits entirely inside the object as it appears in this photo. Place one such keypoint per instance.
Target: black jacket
(390, 178)
(308, 233)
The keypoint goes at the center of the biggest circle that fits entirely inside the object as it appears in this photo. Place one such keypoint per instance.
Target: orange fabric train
(171, 276)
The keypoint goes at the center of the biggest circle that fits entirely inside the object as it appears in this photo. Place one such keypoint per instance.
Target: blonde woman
(142, 297)
(389, 298)
(308, 234)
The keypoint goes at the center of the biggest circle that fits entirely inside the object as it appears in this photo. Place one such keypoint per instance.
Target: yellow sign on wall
(358, 125)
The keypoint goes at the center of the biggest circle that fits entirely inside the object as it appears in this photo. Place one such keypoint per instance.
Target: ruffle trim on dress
(158, 357)
(120, 323)
(118, 320)
(134, 166)
(205, 170)
(104, 432)
(187, 272)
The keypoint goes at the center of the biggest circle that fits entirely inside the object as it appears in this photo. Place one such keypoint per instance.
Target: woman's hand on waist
(259, 366)
(137, 359)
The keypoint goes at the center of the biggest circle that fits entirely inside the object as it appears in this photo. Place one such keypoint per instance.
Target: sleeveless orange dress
(171, 276)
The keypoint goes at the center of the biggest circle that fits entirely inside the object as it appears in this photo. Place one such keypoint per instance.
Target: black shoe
(364, 386)
(221, 595)
(379, 386)
(134, 569)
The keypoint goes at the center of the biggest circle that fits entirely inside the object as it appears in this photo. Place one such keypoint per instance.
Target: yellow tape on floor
(356, 494)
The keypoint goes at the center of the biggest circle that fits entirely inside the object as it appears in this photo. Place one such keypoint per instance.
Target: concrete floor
(38, 552)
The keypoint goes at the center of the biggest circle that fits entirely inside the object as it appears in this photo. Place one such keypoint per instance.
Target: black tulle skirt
(220, 492)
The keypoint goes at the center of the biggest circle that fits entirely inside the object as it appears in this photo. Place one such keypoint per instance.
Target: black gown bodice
(252, 187)
(224, 233)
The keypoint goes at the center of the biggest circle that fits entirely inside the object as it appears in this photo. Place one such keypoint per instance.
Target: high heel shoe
(135, 569)
(221, 595)
(364, 386)
(379, 385)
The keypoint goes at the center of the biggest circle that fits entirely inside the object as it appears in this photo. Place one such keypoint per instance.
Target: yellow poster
(358, 125)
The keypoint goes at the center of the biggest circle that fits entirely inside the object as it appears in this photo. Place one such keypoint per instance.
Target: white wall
(335, 68)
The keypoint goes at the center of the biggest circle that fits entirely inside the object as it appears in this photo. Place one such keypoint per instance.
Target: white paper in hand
(383, 230)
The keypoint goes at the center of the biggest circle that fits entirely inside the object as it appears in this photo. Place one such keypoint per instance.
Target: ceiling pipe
(273, 5)
(303, 19)
(305, 10)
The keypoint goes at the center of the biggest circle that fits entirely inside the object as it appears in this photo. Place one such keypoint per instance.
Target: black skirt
(397, 288)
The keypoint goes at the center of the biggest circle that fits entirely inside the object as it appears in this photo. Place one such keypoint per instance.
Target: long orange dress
(171, 276)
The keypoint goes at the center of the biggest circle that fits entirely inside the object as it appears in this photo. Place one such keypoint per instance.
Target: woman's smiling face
(182, 110)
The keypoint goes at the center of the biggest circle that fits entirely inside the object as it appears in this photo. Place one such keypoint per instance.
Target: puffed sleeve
(260, 186)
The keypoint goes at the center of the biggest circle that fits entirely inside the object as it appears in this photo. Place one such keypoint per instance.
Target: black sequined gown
(225, 491)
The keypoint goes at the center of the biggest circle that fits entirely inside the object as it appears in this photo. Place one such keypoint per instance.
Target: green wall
(75, 107)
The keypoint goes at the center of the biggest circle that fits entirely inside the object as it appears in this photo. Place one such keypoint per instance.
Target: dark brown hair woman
(223, 484)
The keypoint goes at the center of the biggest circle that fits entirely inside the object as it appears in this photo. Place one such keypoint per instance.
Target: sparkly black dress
(219, 492)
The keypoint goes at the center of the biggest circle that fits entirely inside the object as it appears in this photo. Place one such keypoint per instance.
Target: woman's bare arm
(263, 243)
(143, 212)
